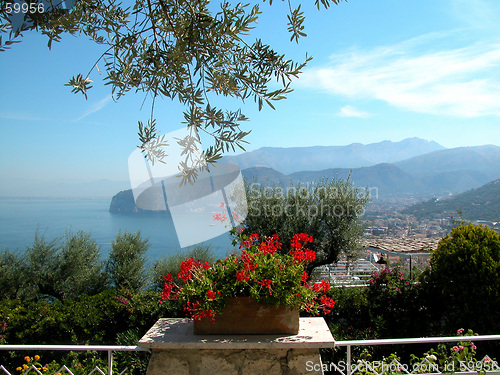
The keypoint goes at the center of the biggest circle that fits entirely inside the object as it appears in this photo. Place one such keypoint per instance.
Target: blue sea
(20, 219)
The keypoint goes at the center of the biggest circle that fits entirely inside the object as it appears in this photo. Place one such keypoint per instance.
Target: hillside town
(385, 219)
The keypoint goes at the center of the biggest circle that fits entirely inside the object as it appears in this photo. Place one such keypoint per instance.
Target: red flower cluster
(267, 284)
(241, 275)
(301, 254)
(298, 239)
(304, 276)
(326, 303)
(270, 245)
(197, 313)
(323, 286)
(248, 243)
(212, 295)
(220, 217)
(259, 270)
(167, 287)
(188, 266)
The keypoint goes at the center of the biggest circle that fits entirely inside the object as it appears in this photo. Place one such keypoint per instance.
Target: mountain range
(433, 171)
(415, 167)
(317, 158)
(437, 173)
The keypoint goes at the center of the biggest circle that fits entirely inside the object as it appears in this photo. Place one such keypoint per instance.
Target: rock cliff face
(123, 203)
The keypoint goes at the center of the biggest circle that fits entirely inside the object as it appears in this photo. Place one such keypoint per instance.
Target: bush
(463, 279)
(125, 266)
(396, 305)
(89, 320)
(11, 277)
(62, 271)
(350, 318)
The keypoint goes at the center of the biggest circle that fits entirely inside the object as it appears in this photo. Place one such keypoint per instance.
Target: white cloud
(21, 116)
(350, 111)
(463, 82)
(95, 107)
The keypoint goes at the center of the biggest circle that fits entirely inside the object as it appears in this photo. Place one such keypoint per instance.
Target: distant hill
(317, 158)
(388, 180)
(484, 160)
(482, 203)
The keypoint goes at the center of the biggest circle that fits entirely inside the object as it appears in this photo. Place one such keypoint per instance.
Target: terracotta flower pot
(244, 316)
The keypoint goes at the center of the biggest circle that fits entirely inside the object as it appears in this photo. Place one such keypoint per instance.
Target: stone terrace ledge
(177, 350)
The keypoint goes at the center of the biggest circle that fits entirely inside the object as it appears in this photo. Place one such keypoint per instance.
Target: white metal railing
(395, 365)
(346, 273)
(103, 348)
(348, 369)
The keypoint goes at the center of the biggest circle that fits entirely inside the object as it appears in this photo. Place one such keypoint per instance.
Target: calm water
(20, 219)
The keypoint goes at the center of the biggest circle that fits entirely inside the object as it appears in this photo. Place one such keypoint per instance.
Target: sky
(381, 70)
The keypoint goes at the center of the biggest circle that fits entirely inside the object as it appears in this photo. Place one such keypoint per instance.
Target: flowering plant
(259, 271)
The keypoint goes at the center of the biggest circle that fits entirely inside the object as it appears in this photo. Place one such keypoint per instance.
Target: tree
(63, 271)
(329, 211)
(125, 265)
(463, 279)
(79, 269)
(40, 267)
(11, 277)
(185, 50)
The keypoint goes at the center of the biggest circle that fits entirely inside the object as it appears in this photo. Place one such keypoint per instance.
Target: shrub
(11, 276)
(463, 279)
(64, 270)
(80, 269)
(395, 305)
(125, 266)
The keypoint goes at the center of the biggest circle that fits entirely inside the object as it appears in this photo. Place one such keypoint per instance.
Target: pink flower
(460, 331)
(455, 349)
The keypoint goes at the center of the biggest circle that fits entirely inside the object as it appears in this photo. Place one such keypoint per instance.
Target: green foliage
(396, 304)
(80, 269)
(389, 307)
(71, 266)
(446, 358)
(464, 278)
(330, 211)
(63, 270)
(11, 277)
(125, 266)
(135, 362)
(40, 269)
(188, 50)
(89, 320)
(351, 318)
